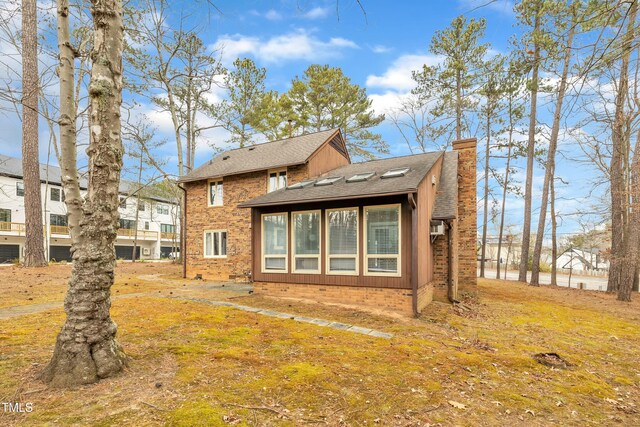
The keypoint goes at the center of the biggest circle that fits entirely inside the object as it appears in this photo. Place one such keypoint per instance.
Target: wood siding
(402, 282)
(425, 200)
(326, 159)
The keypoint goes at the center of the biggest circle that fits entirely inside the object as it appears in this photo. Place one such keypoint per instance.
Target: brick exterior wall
(387, 299)
(467, 212)
(441, 262)
(236, 221)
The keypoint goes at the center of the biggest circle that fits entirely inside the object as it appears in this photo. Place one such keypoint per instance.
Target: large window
(274, 243)
(277, 180)
(127, 224)
(215, 193)
(342, 241)
(58, 220)
(5, 219)
(20, 188)
(382, 237)
(167, 228)
(306, 242)
(162, 209)
(215, 244)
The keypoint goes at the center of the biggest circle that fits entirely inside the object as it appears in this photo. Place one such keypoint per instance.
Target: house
(156, 232)
(300, 220)
(582, 260)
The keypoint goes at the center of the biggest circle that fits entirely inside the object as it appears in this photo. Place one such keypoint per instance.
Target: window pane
(273, 182)
(216, 244)
(223, 243)
(382, 230)
(55, 194)
(219, 196)
(343, 232)
(383, 265)
(342, 264)
(275, 234)
(5, 215)
(19, 188)
(207, 244)
(307, 233)
(282, 180)
(274, 263)
(307, 264)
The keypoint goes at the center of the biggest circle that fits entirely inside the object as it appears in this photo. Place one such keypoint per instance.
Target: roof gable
(269, 155)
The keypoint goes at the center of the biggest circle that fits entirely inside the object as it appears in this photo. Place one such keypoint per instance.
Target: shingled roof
(269, 155)
(446, 203)
(419, 165)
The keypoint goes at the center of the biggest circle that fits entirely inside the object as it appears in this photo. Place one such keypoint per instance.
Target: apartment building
(155, 233)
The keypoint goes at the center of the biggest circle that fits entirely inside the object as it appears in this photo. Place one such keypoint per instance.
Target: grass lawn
(194, 364)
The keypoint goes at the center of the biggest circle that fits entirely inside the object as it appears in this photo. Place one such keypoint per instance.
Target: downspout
(183, 233)
(414, 254)
(450, 263)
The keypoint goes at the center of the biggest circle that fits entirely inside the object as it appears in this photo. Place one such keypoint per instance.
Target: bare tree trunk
(486, 193)
(531, 147)
(551, 157)
(505, 186)
(67, 122)
(34, 241)
(617, 155)
(86, 349)
(554, 229)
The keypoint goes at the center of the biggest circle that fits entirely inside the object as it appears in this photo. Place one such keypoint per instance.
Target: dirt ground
(196, 364)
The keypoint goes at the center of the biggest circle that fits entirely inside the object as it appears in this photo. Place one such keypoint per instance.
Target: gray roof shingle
(446, 203)
(269, 155)
(419, 165)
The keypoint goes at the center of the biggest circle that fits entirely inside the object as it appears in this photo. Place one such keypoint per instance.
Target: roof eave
(327, 199)
(184, 179)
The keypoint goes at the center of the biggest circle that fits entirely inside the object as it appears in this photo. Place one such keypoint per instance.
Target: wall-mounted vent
(146, 251)
(437, 228)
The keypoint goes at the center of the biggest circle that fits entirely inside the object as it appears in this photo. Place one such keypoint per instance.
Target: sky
(377, 48)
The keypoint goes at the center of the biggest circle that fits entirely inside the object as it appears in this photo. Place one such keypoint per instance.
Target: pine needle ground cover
(196, 364)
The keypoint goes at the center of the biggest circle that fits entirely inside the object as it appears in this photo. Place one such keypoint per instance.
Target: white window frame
(286, 239)
(277, 172)
(216, 182)
(204, 243)
(342, 256)
(308, 256)
(365, 242)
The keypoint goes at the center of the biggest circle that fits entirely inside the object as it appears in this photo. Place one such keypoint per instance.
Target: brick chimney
(467, 212)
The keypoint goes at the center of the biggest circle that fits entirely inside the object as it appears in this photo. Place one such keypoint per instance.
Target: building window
(215, 193)
(342, 241)
(20, 188)
(54, 195)
(5, 219)
(277, 180)
(215, 244)
(306, 242)
(127, 224)
(274, 243)
(167, 228)
(382, 240)
(142, 206)
(123, 202)
(146, 225)
(58, 220)
(162, 209)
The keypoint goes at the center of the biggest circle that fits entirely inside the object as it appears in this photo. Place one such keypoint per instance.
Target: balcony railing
(168, 235)
(18, 228)
(12, 227)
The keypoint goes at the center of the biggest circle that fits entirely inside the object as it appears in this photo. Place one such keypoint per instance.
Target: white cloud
(379, 48)
(296, 45)
(317, 13)
(273, 15)
(398, 76)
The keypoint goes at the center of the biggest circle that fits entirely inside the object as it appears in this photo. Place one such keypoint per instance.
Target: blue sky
(377, 51)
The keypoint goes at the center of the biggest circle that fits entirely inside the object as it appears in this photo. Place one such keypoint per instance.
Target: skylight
(394, 173)
(301, 184)
(361, 177)
(328, 181)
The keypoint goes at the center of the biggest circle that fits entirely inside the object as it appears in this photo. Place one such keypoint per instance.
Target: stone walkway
(9, 312)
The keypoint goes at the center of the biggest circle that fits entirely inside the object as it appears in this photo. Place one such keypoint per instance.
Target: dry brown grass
(193, 364)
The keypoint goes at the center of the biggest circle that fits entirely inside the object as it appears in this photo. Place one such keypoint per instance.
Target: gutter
(183, 232)
(414, 254)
